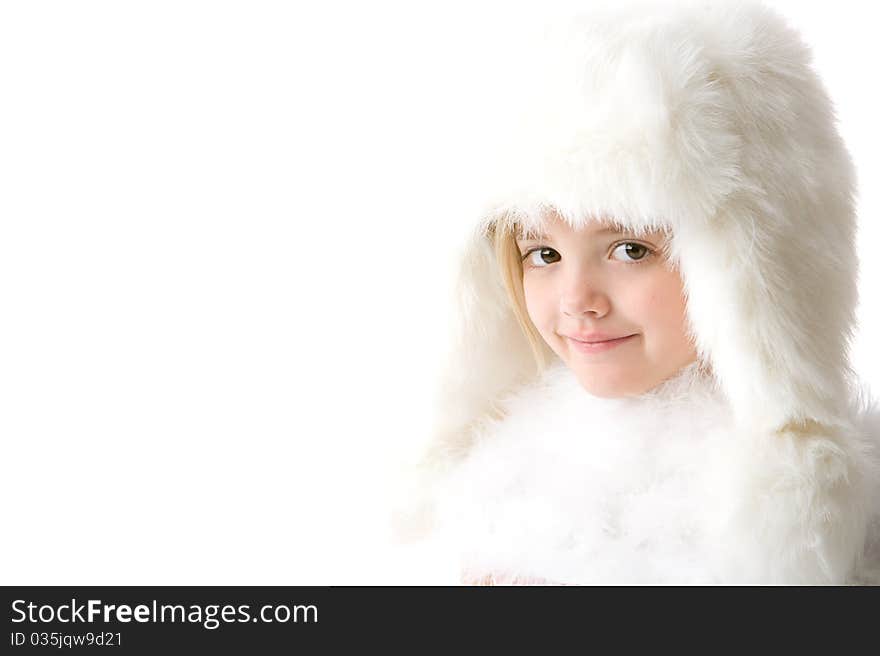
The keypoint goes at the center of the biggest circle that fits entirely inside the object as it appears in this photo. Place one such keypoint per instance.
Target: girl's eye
(541, 257)
(630, 251)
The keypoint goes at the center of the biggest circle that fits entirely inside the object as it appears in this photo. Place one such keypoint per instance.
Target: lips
(595, 338)
(598, 345)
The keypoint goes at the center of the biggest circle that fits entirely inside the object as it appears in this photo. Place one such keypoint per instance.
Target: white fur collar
(569, 488)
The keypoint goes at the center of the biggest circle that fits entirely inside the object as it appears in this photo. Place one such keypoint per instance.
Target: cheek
(539, 302)
(664, 312)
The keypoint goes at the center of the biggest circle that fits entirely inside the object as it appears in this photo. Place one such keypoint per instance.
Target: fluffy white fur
(706, 118)
(569, 488)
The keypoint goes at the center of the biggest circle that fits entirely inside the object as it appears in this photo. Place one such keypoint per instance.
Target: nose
(582, 295)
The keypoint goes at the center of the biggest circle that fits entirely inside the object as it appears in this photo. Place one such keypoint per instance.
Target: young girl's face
(583, 286)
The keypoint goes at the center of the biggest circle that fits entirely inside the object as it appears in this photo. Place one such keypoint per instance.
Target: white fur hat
(706, 118)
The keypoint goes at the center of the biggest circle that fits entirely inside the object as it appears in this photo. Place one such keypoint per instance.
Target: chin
(608, 387)
(606, 393)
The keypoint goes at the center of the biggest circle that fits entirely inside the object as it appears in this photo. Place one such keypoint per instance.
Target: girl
(651, 380)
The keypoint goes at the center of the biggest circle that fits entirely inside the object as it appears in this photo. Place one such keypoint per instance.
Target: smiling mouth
(600, 346)
(595, 338)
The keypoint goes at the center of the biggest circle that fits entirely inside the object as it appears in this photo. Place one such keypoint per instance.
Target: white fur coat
(572, 489)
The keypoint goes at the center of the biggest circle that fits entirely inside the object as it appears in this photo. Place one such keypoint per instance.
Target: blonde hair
(507, 255)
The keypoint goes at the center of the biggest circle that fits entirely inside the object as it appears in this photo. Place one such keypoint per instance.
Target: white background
(221, 259)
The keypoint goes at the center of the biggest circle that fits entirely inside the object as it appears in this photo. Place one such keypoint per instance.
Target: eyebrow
(533, 236)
